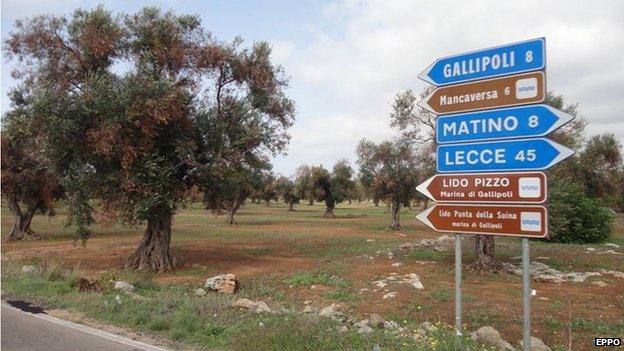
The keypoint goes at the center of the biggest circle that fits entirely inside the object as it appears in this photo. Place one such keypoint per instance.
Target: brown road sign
(519, 89)
(526, 187)
(503, 220)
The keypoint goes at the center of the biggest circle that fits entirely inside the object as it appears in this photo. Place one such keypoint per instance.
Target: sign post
(490, 145)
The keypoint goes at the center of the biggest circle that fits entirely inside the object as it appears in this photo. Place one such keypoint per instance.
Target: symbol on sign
(520, 89)
(502, 60)
(510, 155)
(529, 187)
(505, 123)
(526, 88)
(530, 221)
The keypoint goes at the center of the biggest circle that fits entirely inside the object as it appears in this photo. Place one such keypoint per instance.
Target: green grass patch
(442, 294)
(321, 278)
(428, 255)
(342, 295)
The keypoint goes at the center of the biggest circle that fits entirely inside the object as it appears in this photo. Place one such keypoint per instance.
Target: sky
(347, 59)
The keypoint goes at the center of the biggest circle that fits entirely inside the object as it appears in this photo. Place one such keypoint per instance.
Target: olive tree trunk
(154, 252)
(484, 256)
(291, 206)
(395, 211)
(310, 202)
(231, 211)
(21, 221)
(329, 210)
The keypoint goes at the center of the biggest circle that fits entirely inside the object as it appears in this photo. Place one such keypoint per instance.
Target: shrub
(575, 218)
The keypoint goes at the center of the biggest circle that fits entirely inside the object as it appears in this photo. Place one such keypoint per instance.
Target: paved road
(22, 331)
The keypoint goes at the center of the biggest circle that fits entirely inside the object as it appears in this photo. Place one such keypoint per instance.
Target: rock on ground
(123, 286)
(310, 309)
(257, 307)
(615, 274)
(536, 344)
(492, 337)
(365, 330)
(442, 243)
(328, 311)
(542, 272)
(30, 269)
(223, 283)
(376, 321)
(200, 292)
(244, 303)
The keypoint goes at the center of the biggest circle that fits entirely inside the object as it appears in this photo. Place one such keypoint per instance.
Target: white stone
(123, 286)
(613, 245)
(600, 283)
(328, 311)
(414, 280)
(365, 330)
(244, 303)
(397, 264)
(223, 283)
(262, 307)
(390, 295)
(492, 337)
(30, 269)
(200, 292)
(536, 344)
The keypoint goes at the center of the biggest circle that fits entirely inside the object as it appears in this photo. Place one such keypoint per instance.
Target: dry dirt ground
(272, 244)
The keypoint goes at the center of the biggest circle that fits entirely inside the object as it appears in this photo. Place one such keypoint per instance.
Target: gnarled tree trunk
(21, 221)
(154, 251)
(484, 252)
(425, 203)
(291, 206)
(310, 202)
(329, 210)
(395, 211)
(231, 211)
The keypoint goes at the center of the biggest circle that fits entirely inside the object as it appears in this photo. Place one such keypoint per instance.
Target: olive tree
(286, 190)
(393, 171)
(332, 188)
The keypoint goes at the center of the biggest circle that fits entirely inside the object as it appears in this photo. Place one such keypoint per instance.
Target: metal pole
(458, 279)
(526, 296)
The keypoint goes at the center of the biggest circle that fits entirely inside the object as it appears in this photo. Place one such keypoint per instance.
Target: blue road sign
(498, 61)
(493, 156)
(504, 123)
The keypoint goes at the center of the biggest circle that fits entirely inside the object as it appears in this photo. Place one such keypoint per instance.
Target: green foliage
(576, 218)
(286, 189)
(334, 187)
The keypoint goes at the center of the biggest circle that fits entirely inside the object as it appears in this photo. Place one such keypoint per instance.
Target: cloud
(385, 44)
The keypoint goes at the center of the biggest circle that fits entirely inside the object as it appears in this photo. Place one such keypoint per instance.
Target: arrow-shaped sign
(505, 123)
(502, 60)
(524, 221)
(520, 89)
(510, 155)
(527, 187)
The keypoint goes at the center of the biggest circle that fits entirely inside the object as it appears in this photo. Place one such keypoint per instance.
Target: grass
(316, 278)
(442, 294)
(428, 255)
(342, 295)
(172, 312)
